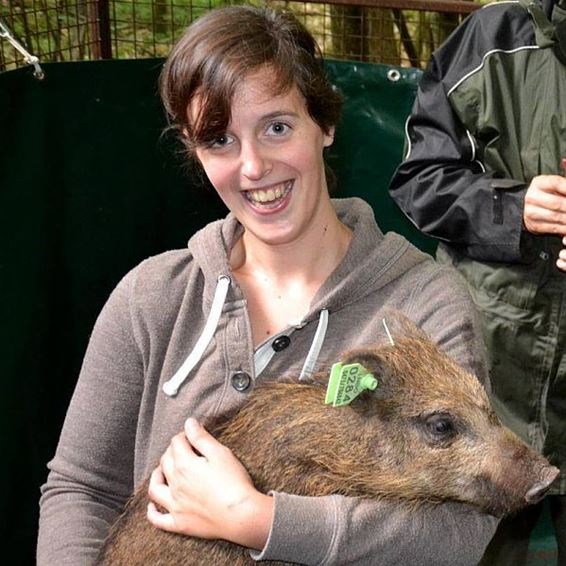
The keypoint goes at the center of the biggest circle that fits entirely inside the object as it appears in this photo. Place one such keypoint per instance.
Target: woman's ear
(329, 137)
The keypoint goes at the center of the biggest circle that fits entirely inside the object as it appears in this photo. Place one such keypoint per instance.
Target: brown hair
(225, 45)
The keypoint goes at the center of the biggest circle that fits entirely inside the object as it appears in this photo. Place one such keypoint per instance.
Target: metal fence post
(101, 31)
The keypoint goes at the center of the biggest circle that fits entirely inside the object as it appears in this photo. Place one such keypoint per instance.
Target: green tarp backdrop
(88, 188)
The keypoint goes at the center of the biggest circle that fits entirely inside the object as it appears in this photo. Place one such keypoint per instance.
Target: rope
(30, 59)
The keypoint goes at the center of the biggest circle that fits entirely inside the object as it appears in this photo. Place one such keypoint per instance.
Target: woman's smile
(270, 199)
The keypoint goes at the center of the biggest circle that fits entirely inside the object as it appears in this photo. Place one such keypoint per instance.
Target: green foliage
(150, 28)
(66, 30)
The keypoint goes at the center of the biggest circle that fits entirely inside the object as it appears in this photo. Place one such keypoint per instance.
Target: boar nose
(538, 491)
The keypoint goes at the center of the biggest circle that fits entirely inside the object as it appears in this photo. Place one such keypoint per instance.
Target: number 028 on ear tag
(347, 382)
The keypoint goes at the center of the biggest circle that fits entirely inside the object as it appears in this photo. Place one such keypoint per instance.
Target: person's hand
(545, 205)
(205, 491)
(545, 210)
(561, 261)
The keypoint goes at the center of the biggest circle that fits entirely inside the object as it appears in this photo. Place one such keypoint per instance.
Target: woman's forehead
(260, 91)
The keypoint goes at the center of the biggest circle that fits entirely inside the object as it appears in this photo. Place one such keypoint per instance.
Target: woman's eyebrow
(279, 113)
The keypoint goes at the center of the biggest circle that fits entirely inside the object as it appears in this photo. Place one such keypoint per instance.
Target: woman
(278, 289)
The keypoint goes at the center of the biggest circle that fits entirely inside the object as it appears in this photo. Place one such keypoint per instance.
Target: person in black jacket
(483, 174)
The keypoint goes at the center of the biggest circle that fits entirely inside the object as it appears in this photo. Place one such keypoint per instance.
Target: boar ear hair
(400, 326)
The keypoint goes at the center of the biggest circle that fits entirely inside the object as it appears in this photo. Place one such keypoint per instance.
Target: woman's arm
(92, 472)
(365, 532)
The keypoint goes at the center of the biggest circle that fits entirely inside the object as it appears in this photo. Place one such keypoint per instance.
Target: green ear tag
(347, 382)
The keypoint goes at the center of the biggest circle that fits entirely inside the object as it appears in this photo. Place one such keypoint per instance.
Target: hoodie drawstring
(316, 346)
(172, 386)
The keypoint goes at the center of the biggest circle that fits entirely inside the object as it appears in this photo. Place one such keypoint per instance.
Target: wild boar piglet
(426, 434)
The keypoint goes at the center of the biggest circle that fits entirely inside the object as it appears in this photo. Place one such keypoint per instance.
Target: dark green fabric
(87, 190)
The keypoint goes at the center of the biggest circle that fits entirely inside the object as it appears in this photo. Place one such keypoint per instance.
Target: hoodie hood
(372, 261)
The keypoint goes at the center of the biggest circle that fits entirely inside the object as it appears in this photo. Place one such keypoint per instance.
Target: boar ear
(371, 358)
(374, 360)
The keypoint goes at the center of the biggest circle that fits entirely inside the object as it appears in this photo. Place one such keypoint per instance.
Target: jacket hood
(372, 261)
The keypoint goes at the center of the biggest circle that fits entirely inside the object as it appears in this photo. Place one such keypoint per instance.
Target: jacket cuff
(505, 242)
(302, 530)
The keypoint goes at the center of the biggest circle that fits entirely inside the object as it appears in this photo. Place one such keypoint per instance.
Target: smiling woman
(277, 290)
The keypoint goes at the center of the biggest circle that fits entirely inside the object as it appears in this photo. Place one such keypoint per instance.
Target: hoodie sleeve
(340, 530)
(91, 474)
(442, 185)
(442, 306)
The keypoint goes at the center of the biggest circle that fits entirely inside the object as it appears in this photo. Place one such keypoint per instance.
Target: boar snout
(538, 491)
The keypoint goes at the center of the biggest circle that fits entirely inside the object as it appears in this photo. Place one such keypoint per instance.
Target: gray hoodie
(182, 314)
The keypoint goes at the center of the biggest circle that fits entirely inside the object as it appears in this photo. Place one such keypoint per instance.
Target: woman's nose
(255, 161)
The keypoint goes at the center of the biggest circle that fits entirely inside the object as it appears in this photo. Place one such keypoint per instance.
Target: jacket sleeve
(442, 185)
(341, 530)
(91, 474)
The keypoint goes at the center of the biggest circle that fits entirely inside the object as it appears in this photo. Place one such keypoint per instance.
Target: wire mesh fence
(54, 30)
(396, 32)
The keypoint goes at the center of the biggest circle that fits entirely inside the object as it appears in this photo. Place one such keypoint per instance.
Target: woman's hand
(206, 492)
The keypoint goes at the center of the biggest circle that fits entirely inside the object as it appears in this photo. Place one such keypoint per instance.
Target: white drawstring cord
(316, 346)
(172, 386)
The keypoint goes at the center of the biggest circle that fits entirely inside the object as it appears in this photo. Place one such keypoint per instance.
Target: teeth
(266, 195)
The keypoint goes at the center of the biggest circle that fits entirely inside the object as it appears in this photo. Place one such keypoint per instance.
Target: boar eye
(440, 427)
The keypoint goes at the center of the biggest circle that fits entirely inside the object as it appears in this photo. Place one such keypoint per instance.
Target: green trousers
(523, 313)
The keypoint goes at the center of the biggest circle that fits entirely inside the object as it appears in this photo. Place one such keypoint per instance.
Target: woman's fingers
(158, 490)
(201, 440)
(164, 521)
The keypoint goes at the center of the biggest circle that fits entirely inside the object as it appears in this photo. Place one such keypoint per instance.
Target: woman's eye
(278, 128)
(221, 141)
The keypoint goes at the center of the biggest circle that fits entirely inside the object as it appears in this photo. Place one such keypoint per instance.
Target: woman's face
(268, 166)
